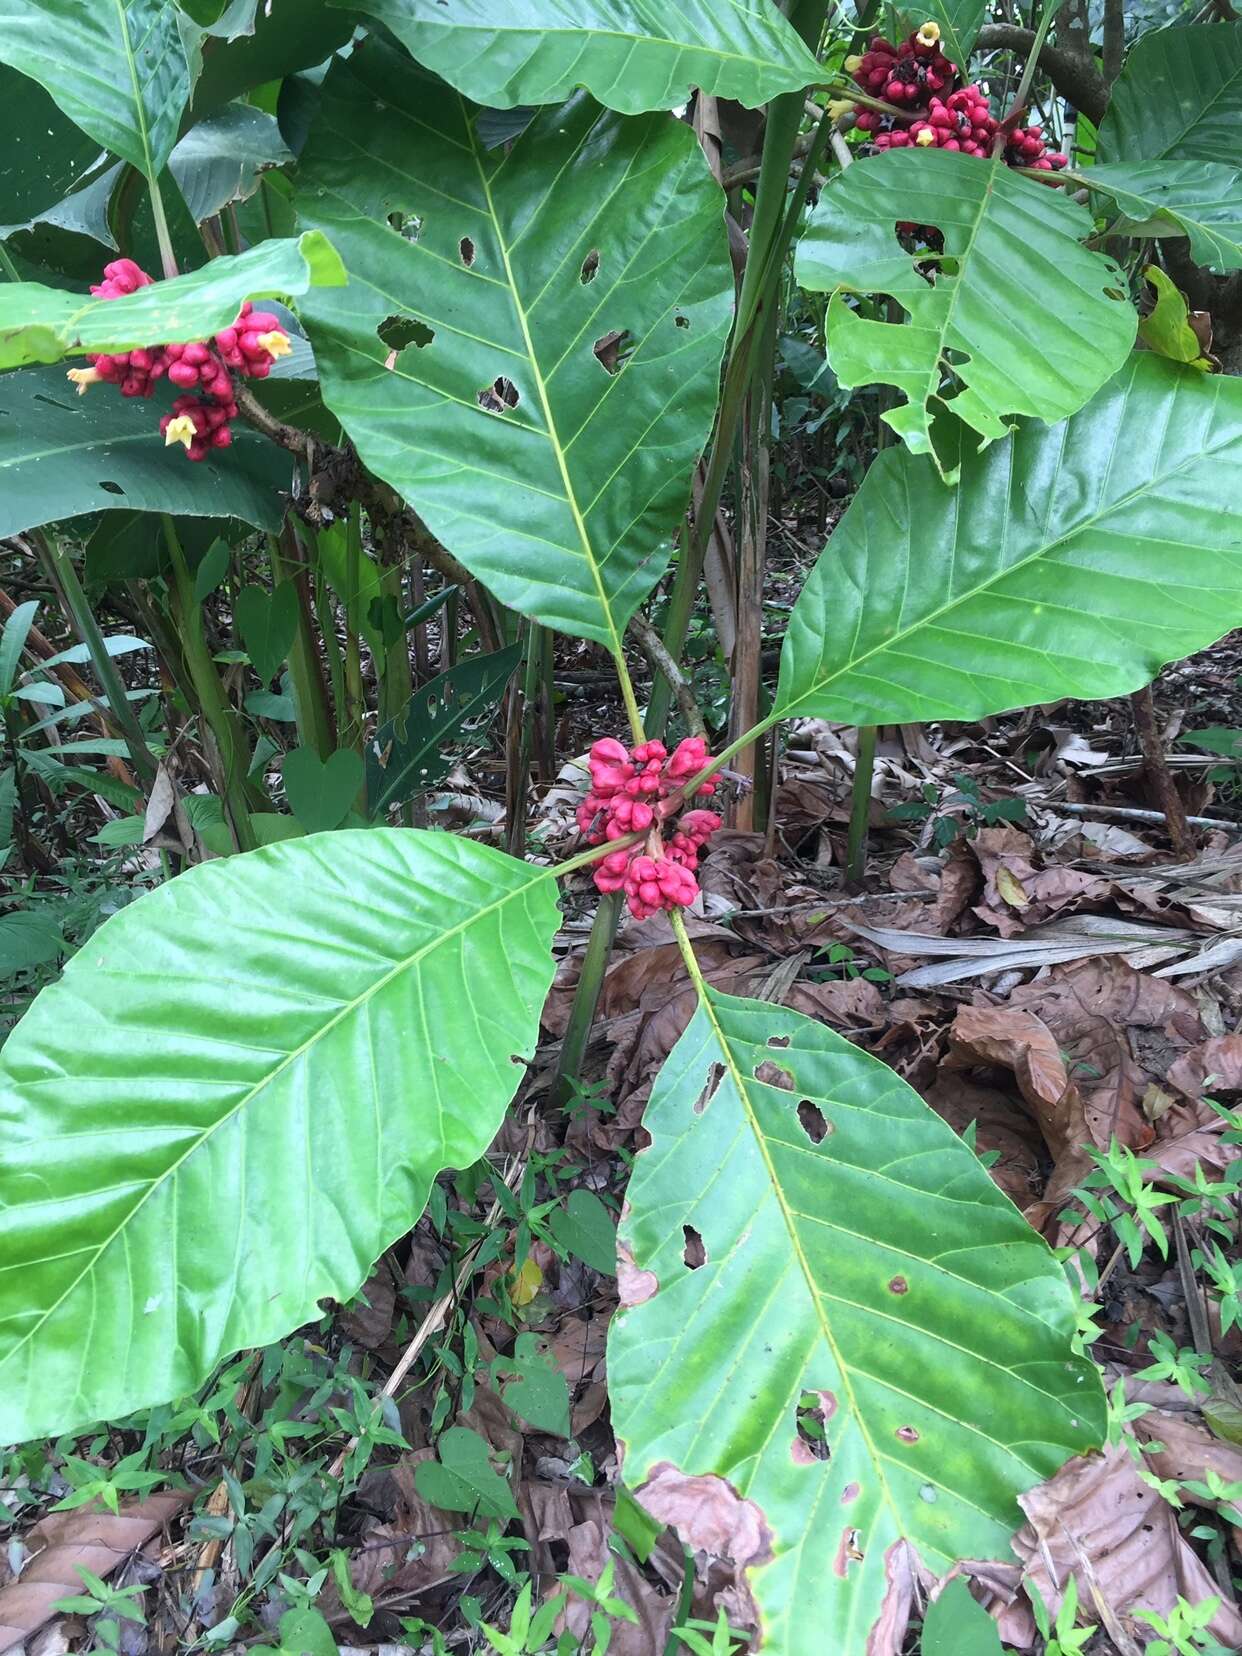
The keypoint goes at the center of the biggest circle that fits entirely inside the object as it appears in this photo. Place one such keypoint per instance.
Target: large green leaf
(1074, 561)
(1179, 95)
(407, 755)
(1198, 199)
(493, 275)
(633, 55)
(976, 319)
(42, 324)
(220, 158)
(803, 1227)
(61, 455)
(44, 157)
(117, 68)
(206, 1129)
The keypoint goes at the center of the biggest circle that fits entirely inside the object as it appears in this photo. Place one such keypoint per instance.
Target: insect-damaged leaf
(972, 311)
(870, 1347)
(529, 346)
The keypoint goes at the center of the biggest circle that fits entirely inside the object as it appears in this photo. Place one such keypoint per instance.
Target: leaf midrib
(784, 709)
(135, 89)
(351, 1007)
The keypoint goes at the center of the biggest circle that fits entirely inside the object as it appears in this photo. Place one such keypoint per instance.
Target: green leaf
(61, 455)
(633, 55)
(959, 20)
(957, 1625)
(408, 754)
(821, 1231)
(42, 324)
(212, 569)
(28, 938)
(464, 1479)
(1180, 95)
(1166, 328)
(321, 792)
(13, 638)
(1198, 199)
(304, 1632)
(219, 160)
(267, 622)
(517, 262)
(585, 1227)
(117, 68)
(296, 34)
(290, 1084)
(976, 319)
(44, 159)
(539, 1393)
(1074, 561)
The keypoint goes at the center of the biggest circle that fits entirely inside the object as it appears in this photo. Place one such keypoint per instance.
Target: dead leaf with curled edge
(1098, 1509)
(94, 1537)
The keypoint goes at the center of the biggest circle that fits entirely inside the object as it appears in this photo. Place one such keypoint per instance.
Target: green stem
(62, 573)
(223, 728)
(7, 265)
(168, 259)
(860, 808)
(586, 996)
(309, 691)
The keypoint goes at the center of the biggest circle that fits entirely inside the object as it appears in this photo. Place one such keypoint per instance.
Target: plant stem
(223, 728)
(7, 265)
(1156, 772)
(586, 996)
(63, 575)
(168, 258)
(310, 692)
(860, 808)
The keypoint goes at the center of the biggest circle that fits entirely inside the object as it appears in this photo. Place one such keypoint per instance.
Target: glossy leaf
(43, 324)
(959, 20)
(976, 320)
(805, 1237)
(117, 68)
(1179, 95)
(490, 278)
(62, 455)
(219, 160)
(633, 55)
(44, 158)
(1074, 561)
(408, 755)
(1198, 199)
(296, 34)
(289, 1086)
(1166, 327)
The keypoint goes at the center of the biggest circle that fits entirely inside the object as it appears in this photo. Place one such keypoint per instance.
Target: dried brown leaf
(94, 1537)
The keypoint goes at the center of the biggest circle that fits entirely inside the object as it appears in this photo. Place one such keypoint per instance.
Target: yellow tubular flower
(83, 378)
(929, 34)
(276, 343)
(853, 63)
(180, 430)
(839, 106)
(925, 137)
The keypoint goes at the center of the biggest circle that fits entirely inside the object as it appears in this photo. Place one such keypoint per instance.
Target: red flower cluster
(630, 793)
(200, 423)
(918, 77)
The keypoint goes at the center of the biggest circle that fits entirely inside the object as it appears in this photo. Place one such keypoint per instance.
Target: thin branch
(652, 646)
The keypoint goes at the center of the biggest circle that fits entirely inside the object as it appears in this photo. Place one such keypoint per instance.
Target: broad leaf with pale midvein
(1072, 561)
(42, 324)
(1179, 95)
(1201, 200)
(461, 358)
(971, 319)
(804, 1231)
(633, 55)
(118, 68)
(237, 1097)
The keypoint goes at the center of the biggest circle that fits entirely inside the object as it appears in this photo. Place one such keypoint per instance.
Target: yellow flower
(83, 378)
(838, 107)
(929, 34)
(927, 136)
(180, 430)
(853, 64)
(275, 343)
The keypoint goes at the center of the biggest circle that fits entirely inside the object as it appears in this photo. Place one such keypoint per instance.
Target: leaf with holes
(407, 755)
(840, 1336)
(557, 475)
(63, 455)
(1198, 199)
(43, 324)
(1074, 561)
(117, 68)
(290, 1084)
(972, 318)
(633, 55)
(1179, 95)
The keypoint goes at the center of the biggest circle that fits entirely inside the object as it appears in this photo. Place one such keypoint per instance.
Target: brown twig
(652, 646)
(1157, 772)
